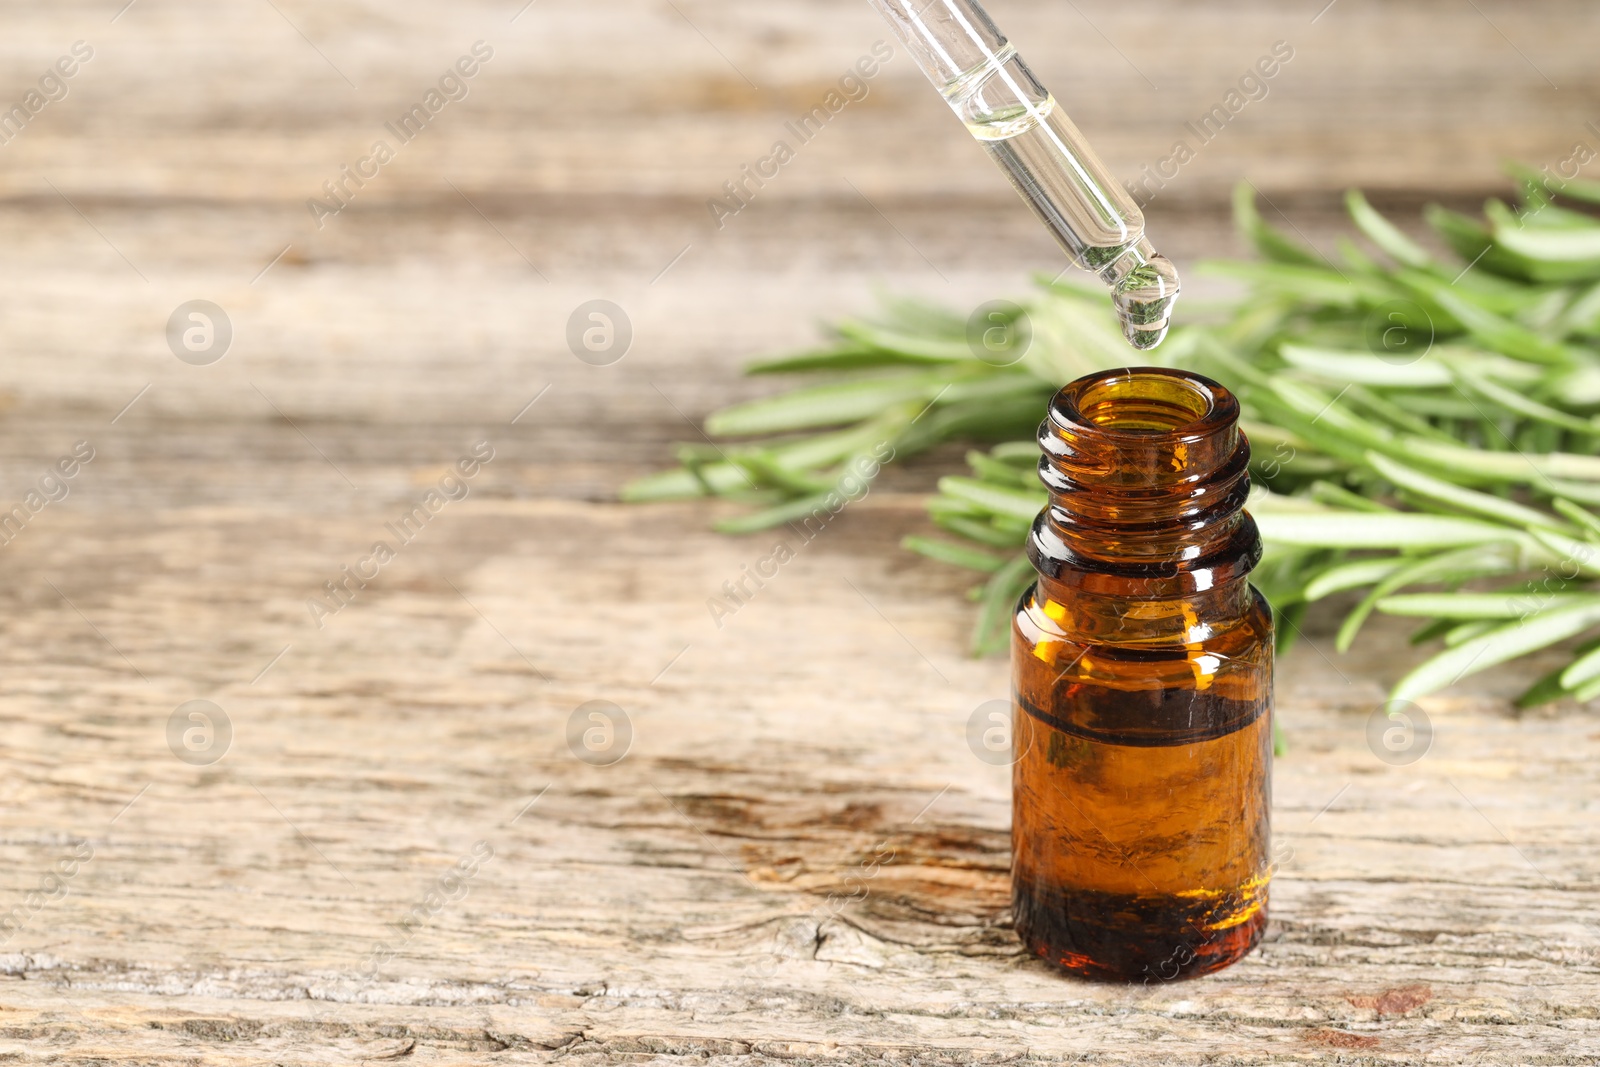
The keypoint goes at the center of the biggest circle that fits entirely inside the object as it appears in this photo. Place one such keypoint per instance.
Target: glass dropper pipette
(992, 91)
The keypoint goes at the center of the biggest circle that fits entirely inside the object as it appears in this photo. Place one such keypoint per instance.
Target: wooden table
(409, 757)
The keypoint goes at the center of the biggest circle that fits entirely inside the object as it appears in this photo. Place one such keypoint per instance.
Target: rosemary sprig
(1417, 422)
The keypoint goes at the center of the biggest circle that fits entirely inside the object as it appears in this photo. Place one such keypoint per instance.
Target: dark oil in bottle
(1143, 682)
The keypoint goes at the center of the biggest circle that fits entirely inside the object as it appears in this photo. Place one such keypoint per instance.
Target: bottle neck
(1148, 474)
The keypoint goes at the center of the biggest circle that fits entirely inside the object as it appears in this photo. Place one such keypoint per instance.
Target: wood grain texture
(677, 903)
(674, 907)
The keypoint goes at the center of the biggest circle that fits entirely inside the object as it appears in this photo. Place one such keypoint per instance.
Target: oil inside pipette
(1051, 165)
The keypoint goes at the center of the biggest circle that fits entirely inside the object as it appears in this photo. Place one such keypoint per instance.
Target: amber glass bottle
(1142, 663)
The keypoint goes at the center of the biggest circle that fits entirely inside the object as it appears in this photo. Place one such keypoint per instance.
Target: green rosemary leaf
(1383, 233)
(989, 388)
(1582, 315)
(1544, 311)
(1019, 453)
(828, 449)
(1467, 237)
(991, 469)
(798, 509)
(1319, 407)
(1582, 516)
(1351, 575)
(954, 554)
(1497, 646)
(1335, 529)
(1069, 287)
(1396, 414)
(1583, 492)
(1576, 248)
(1451, 410)
(997, 419)
(1017, 527)
(1269, 241)
(724, 478)
(1261, 434)
(764, 469)
(1478, 251)
(1514, 401)
(1584, 189)
(1019, 503)
(1337, 496)
(824, 405)
(1450, 568)
(1262, 319)
(1479, 605)
(1355, 259)
(1214, 349)
(1318, 434)
(1263, 501)
(1466, 631)
(1286, 626)
(1538, 471)
(943, 507)
(1491, 330)
(993, 630)
(1542, 214)
(1543, 691)
(1073, 336)
(982, 532)
(1366, 368)
(1461, 498)
(1503, 296)
(1315, 284)
(910, 346)
(680, 483)
(1582, 671)
(1431, 631)
(845, 358)
(1579, 557)
(1587, 691)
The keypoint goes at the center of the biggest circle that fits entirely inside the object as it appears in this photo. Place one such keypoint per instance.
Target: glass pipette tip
(1024, 130)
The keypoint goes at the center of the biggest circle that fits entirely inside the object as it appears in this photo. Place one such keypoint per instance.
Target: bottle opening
(1146, 469)
(1140, 427)
(1145, 402)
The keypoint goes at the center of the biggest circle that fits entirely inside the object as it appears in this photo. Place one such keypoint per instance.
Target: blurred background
(375, 339)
